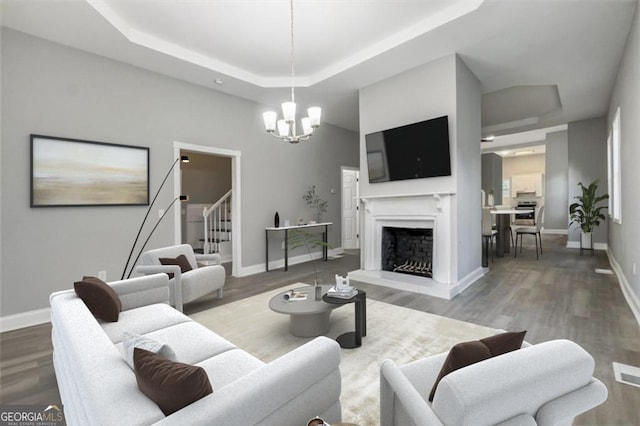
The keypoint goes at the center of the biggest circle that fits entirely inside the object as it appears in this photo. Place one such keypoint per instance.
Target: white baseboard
(276, 264)
(632, 299)
(470, 278)
(555, 231)
(25, 319)
(597, 246)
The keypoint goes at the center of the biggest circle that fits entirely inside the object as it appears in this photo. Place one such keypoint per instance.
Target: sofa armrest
(142, 291)
(175, 284)
(395, 385)
(291, 390)
(572, 404)
(212, 257)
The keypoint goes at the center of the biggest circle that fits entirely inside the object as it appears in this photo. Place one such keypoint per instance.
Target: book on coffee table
(294, 296)
(342, 292)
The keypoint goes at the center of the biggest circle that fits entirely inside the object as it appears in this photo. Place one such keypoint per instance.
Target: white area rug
(393, 332)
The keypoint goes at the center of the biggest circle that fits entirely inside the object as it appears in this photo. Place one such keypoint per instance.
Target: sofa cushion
(143, 320)
(467, 353)
(171, 385)
(181, 261)
(229, 366)
(101, 300)
(132, 341)
(192, 342)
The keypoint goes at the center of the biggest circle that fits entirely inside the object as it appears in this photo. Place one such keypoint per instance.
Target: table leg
(325, 256)
(503, 242)
(266, 237)
(286, 249)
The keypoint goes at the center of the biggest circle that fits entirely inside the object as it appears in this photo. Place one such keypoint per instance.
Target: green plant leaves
(586, 212)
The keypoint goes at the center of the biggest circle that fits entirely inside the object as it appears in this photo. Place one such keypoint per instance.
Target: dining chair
(488, 233)
(531, 230)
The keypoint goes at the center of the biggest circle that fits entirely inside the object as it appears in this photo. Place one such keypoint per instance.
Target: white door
(350, 231)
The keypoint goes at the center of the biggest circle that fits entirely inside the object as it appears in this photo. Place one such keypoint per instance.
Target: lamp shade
(270, 118)
(314, 116)
(289, 111)
(283, 128)
(306, 126)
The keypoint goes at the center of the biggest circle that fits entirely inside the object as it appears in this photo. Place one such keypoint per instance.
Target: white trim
(555, 231)
(597, 246)
(632, 299)
(417, 194)
(279, 263)
(236, 205)
(620, 369)
(25, 319)
(469, 279)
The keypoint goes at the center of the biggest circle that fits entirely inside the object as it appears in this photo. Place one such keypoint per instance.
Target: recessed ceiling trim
(455, 10)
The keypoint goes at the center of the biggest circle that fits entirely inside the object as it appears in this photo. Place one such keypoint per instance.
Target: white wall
(55, 90)
(624, 238)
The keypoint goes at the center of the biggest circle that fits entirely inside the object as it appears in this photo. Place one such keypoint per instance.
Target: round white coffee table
(307, 318)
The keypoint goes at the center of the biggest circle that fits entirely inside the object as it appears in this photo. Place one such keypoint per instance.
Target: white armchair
(188, 286)
(545, 384)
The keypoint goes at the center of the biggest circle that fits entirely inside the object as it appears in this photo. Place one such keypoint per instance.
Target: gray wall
(624, 237)
(54, 90)
(556, 211)
(587, 153)
(492, 176)
(442, 87)
(468, 135)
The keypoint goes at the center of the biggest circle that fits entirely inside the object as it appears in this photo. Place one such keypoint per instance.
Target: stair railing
(216, 219)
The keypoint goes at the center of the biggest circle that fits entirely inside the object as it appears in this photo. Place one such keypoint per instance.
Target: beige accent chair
(545, 384)
(191, 285)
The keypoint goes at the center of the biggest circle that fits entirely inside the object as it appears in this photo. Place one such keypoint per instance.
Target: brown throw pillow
(467, 353)
(181, 261)
(171, 385)
(101, 300)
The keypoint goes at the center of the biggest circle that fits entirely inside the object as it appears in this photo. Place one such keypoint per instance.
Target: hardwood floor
(558, 296)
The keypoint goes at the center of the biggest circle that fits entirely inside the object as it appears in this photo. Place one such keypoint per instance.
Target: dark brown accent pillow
(467, 353)
(171, 385)
(181, 261)
(101, 300)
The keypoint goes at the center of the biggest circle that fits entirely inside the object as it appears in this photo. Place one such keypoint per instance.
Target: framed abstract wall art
(72, 172)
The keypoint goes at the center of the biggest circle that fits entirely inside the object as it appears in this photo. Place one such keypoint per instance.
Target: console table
(286, 240)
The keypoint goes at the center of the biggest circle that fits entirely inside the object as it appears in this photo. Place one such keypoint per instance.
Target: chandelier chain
(292, 57)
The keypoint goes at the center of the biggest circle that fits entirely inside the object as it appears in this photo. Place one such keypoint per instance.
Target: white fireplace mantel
(431, 210)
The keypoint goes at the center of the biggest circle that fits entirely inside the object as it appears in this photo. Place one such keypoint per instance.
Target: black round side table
(352, 339)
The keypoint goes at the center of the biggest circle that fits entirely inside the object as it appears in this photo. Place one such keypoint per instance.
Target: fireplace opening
(407, 250)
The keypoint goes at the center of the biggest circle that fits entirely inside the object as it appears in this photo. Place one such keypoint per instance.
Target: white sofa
(98, 387)
(545, 384)
(191, 285)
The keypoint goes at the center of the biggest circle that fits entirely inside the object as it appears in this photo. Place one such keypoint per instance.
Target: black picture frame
(78, 173)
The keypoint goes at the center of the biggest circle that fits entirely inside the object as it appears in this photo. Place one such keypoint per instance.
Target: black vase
(276, 220)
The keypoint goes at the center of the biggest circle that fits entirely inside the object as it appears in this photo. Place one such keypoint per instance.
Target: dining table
(503, 225)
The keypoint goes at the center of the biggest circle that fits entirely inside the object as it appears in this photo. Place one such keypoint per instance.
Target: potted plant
(587, 213)
(315, 202)
(300, 238)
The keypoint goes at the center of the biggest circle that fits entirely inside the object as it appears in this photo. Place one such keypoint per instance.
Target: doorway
(236, 214)
(350, 215)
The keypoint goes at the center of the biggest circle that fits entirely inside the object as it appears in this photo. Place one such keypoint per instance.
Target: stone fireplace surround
(431, 210)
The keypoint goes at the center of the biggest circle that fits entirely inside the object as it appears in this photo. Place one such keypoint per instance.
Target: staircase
(217, 227)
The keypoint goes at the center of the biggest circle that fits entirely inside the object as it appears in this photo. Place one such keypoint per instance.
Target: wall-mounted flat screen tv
(415, 151)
